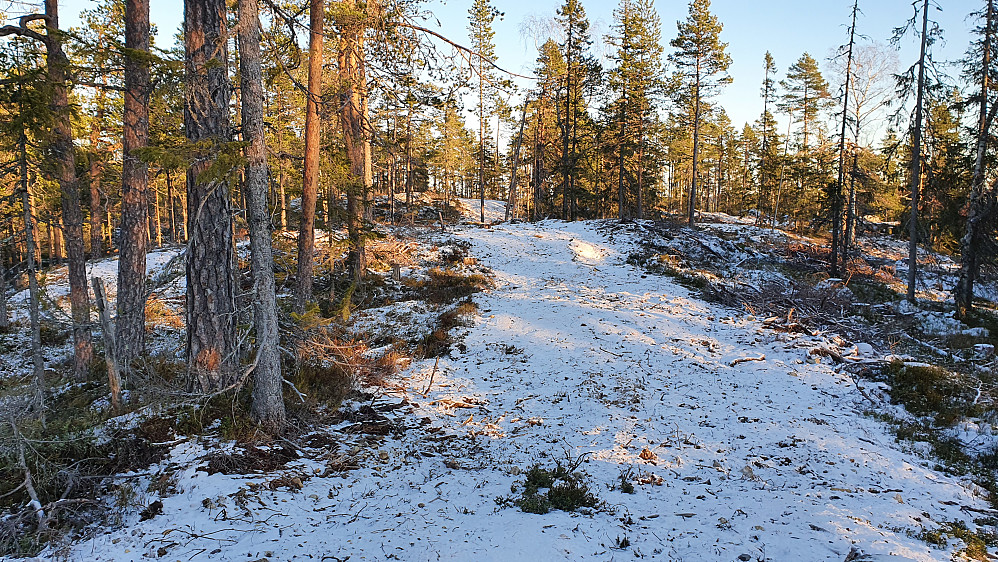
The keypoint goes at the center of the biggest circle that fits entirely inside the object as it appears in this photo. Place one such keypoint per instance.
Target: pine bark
(211, 310)
(64, 169)
(268, 402)
(310, 185)
(691, 215)
(133, 244)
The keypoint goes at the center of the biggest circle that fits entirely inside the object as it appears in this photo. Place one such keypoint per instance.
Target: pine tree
(211, 311)
(703, 64)
(637, 82)
(767, 123)
(579, 72)
(806, 94)
(481, 15)
(352, 22)
(310, 182)
(130, 327)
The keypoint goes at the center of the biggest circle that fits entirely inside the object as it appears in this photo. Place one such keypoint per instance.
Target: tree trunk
(172, 205)
(837, 190)
(211, 309)
(511, 202)
(981, 206)
(4, 320)
(691, 216)
(38, 362)
(621, 211)
(916, 161)
(310, 183)
(95, 173)
(268, 402)
(64, 163)
(481, 138)
(133, 242)
(353, 119)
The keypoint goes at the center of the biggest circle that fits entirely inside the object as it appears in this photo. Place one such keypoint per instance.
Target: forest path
(768, 457)
(576, 356)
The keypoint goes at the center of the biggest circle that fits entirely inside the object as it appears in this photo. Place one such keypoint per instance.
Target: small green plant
(551, 488)
(626, 485)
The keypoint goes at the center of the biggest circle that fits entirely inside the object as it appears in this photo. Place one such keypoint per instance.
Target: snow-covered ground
(739, 447)
(495, 211)
(56, 282)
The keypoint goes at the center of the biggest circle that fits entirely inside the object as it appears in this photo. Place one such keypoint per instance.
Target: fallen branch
(433, 372)
(746, 360)
(28, 483)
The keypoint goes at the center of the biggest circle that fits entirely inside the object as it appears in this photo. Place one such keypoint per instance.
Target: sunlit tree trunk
(310, 185)
(353, 119)
(64, 164)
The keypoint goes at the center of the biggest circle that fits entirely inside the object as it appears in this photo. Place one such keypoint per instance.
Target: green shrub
(545, 489)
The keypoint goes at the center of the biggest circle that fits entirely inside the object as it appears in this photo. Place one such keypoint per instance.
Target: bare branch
(463, 48)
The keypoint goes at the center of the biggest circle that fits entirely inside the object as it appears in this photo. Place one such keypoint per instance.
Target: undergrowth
(545, 489)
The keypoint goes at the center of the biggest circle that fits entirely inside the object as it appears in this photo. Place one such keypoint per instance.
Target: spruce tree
(916, 80)
(979, 68)
(268, 402)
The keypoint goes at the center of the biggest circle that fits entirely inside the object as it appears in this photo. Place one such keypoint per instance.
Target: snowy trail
(577, 353)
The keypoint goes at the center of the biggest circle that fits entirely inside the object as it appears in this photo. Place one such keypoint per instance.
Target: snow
(577, 355)
(495, 211)
(56, 281)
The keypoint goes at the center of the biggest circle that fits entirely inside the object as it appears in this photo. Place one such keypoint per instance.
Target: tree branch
(463, 48)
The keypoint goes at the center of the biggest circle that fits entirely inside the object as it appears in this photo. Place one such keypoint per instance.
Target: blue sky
(787, 28)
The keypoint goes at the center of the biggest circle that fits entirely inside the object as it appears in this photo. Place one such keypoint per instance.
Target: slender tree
(579, 68)
(703, 61)
(916, 78)
(979, 65)
(352, 22)
(836, 195)
(268, 402)
(767, 122)
(310, 183)
(481, 15)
